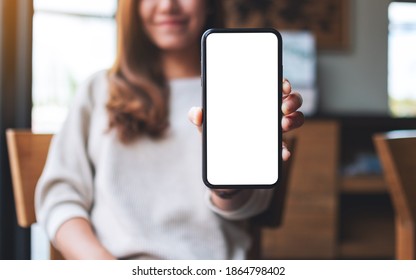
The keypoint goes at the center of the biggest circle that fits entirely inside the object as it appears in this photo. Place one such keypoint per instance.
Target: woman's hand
(292, 118)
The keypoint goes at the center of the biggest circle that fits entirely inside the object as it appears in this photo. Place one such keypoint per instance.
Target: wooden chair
(397, 153)
(273, 216)
(27, 156)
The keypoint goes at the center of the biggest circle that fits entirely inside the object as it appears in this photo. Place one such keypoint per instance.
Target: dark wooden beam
(15, 111)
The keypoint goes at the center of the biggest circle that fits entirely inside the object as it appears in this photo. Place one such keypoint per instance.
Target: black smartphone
(241, 87)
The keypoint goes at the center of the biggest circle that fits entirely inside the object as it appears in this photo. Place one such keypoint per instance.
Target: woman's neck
(181, 64)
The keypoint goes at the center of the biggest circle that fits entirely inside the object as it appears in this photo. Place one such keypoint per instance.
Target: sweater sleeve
(65, 188)
(257, 203)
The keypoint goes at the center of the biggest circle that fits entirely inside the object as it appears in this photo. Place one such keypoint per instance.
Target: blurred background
(353, 61)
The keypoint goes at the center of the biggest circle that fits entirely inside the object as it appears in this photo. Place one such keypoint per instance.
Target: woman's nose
(168, 5)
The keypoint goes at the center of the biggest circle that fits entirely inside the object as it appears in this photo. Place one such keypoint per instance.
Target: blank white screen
(242, 111)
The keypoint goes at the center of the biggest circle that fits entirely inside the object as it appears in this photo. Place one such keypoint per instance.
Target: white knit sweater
(145, 199)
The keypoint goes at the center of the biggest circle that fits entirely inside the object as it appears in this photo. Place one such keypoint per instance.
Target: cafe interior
(349, 191)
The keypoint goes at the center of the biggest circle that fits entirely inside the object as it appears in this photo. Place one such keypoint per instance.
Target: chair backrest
(397, 153)
(273, 216)
(27, 157)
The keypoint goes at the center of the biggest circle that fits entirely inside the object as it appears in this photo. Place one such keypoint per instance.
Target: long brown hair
(139, 95)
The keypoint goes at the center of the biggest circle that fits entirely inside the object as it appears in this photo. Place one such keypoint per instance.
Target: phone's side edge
(280, 89)
(204, 107)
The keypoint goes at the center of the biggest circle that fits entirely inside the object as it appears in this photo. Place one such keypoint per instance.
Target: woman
(122, 179)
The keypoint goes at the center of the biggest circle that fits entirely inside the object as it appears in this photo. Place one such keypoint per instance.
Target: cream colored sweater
(146, 199)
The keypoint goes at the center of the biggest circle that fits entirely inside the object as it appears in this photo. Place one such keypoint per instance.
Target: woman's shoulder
(96, 82)
(94, 88)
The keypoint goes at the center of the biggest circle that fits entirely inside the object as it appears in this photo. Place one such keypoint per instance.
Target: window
(72, 39)
(402, 59)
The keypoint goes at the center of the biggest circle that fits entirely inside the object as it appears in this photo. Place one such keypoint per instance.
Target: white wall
(355, 81)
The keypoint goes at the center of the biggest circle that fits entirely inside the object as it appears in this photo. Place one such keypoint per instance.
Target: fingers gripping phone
(242, 85)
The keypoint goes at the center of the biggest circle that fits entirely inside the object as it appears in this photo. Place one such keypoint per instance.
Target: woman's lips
(171, 23)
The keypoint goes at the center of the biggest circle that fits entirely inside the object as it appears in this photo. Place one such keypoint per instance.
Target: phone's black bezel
(204, 104)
